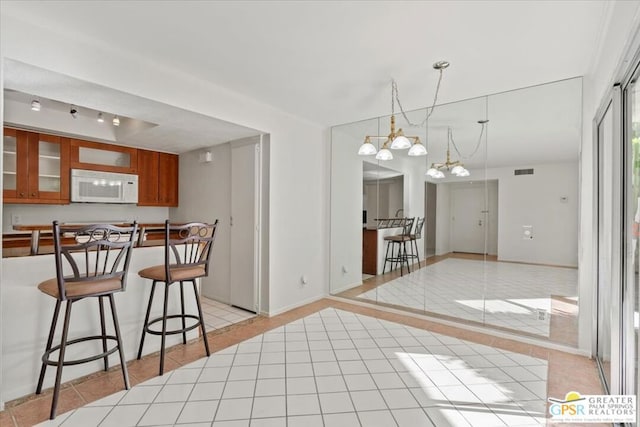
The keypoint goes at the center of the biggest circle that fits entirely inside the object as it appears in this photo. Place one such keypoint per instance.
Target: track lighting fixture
(73, 111)
(116, 121)
(100, 118)
(35, 105)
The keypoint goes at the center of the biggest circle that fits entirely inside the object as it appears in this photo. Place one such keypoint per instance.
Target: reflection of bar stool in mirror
(187, 251)
(398, 244)
(96, 263)
(417, 235)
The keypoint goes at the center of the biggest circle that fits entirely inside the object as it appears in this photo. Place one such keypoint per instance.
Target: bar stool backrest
(189, 245)
(407, 226)
(96, 253)
(418, 231)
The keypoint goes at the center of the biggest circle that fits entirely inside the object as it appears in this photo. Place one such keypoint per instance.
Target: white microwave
(103, 187)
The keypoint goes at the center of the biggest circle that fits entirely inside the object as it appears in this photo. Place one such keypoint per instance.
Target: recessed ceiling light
(116, 121)
(100, 118)
(35, 105)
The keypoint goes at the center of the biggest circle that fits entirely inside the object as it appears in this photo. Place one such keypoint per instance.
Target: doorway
(430, 209)
(244, 222)
(474, 208)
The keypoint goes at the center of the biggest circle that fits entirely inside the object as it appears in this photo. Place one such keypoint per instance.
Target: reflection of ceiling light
(456, 167)
(35, 105)
(73, 111)
(398, 140)
(100, 118)
(116, 121)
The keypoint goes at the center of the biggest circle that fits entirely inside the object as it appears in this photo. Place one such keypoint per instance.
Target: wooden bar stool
(187, 251)
(96, 262)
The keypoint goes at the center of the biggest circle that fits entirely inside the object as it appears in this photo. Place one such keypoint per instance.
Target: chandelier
(456, 167)
(397, 140)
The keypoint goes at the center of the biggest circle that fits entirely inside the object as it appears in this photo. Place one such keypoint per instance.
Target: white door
(468, 220)
(244, 163)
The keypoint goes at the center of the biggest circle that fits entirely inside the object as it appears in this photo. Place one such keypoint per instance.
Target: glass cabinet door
(15, 165)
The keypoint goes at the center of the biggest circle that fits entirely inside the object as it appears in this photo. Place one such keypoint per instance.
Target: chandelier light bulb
(464, 172)
(400, 142)
(116, 121)
(367, 148)
(439, 175)
(384, 154)
(35, 105)
(417, 149)
(457, 170)
(432, 172)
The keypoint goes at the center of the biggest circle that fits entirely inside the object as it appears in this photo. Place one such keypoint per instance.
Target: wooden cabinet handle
(21, 194)
(33, 194)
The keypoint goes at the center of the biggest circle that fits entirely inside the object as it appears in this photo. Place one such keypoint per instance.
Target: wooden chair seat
(177, 273)
(80, 289)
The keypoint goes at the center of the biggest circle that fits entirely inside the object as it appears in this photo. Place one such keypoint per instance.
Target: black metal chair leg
(406, 256)
(103, 329)
(116, 325)
(415, 242)
(184, 321)
(52, 331)
(63, 345)
(146, 319)
(204, 332)
(386, 257)
(164, 326)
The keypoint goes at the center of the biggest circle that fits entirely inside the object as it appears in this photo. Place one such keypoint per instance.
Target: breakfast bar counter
(27, 316)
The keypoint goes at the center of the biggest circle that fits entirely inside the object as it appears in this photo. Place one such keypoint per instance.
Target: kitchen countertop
(36, 239)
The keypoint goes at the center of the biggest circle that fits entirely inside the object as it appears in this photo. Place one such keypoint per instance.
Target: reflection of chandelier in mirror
(398, 140)
(455, 167)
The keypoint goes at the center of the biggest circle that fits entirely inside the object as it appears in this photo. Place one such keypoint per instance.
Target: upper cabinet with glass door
(36, 168)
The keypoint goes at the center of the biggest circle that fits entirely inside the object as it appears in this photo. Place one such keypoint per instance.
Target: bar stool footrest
(45, 356)
(148, 329)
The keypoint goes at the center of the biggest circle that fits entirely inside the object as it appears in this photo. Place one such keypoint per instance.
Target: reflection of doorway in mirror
(430, 209)
(473, 212)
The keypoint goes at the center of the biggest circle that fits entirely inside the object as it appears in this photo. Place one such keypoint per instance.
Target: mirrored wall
(483, 229)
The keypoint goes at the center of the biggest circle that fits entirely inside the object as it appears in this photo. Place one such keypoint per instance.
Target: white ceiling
(331, 62)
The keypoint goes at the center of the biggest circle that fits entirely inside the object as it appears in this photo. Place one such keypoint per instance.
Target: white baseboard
(345, 287)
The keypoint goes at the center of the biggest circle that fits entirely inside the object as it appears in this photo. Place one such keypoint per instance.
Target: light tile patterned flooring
(218, 315)
(511, 295)
(336, 368)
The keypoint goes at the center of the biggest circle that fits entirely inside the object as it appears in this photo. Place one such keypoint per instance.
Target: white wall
(525, 200)
(536, 200)
(297, 153)
(75, 212)
(205, 195)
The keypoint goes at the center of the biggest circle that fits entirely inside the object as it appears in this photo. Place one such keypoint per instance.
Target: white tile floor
(336, 368)
(515, 296)
(218, 315)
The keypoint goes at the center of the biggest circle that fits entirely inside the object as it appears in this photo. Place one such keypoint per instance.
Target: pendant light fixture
(397, 140)
(456, 167)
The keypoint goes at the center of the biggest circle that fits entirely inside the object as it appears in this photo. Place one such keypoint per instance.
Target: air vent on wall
(523, 172)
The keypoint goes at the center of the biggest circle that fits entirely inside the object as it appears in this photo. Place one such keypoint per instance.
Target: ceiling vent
(523, 172)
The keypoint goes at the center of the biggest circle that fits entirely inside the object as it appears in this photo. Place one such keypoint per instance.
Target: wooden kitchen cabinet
(97, 156)
(35, 167)
(157, 178)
